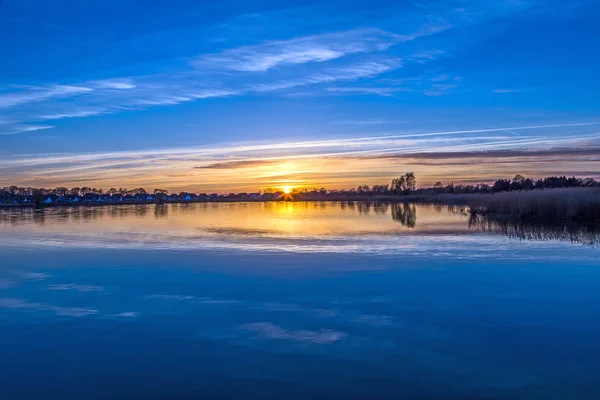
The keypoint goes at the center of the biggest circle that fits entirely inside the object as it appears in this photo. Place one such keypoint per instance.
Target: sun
(287, 189)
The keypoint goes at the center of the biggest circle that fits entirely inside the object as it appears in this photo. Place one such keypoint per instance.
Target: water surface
(291, 300)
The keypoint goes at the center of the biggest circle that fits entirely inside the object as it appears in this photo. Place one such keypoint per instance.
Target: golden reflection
(299, 219)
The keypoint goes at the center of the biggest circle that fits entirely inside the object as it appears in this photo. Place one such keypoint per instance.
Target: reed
(578, 204)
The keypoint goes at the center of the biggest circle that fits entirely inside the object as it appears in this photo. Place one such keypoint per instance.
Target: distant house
(76, 199)
(48, 200)
(90, 197)
(188, 198)
(149, 198)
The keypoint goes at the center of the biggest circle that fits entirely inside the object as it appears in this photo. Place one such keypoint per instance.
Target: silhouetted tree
(404, 184)
(501, 185)
(405, 214)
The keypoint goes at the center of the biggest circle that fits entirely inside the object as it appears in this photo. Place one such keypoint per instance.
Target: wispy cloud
(379, 91)
(209, 151)
(74, 114)
(440, 89)
(329, 57)
(347, 73)
(268, 330)
(25, 128)
(328, 162)
(165, 99)
(118, 84)
(127, 314)
(62, 311)
(489, 154)
(33, 94)
(502, 91)
(360, 122)
(317, 48)
(6, 284)
(427, 55)
(75, 287)
(237, 164)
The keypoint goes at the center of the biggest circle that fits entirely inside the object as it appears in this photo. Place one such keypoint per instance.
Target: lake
(293, 301)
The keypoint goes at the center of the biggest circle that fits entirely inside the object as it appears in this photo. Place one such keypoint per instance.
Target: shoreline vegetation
(552, 198)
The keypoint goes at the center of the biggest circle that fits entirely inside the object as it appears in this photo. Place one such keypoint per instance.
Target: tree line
(403, 185)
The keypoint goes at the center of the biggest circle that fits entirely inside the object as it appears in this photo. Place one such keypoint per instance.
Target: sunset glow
(334, 105)
(369, 199)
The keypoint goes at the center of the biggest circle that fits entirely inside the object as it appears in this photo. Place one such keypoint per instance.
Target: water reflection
(537, 231)
(282, 220)
(161, 211)
(405, 214)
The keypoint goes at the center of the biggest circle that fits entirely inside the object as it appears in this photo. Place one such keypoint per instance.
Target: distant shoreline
(296, 199)
(580, 205)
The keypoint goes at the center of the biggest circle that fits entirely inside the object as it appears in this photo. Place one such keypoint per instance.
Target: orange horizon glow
(329, 164)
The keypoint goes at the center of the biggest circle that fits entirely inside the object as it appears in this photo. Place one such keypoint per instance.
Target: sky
(245, 95)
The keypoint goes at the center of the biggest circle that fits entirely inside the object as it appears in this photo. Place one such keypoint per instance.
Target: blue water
(367, 312)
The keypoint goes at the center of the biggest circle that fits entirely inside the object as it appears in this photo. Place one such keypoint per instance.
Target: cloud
(37, 94)
(567, 152)
(317, 48)
(372, 320)
(238, 164)
(182, 154)
(74, 114)
(380, 91)
(268, 330)
(359, 122)
(503, 91)
(21, 304)
(175, 297)
(347, 73)
(162, 99)
(26, 128)
(128, 314)
(75, 287)
(6, 284)
(34, 276)
(440, 89)
(310, 162)
(122, 94)
(427, 56)
(118, 84)
(268, 66)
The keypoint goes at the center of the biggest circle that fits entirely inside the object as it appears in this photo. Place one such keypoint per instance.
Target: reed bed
(577, 204)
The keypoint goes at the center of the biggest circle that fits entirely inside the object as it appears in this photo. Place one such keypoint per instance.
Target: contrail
(507, 130)
(163, 153)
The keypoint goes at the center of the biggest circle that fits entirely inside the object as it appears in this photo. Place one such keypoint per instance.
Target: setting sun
(287, 189)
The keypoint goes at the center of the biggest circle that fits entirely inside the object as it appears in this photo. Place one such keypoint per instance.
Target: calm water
(291, 301)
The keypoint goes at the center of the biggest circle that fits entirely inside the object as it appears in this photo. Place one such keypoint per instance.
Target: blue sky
(155, 93)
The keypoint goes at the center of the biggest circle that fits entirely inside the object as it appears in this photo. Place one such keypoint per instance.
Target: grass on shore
(578, 204)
